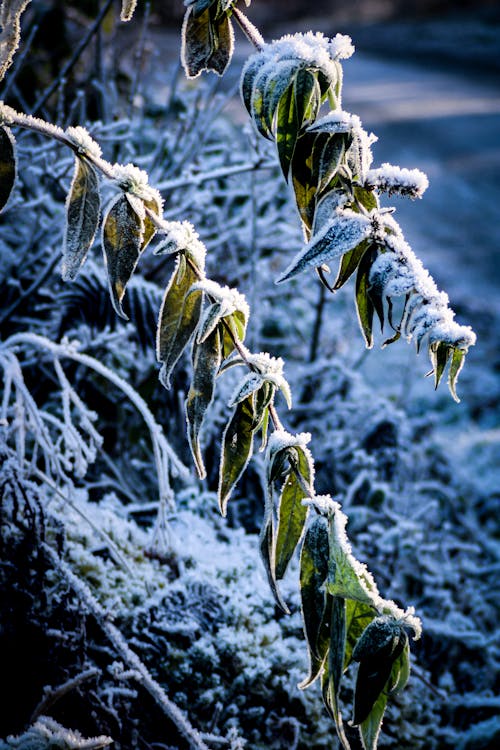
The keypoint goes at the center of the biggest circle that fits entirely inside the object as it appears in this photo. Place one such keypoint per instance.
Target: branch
(52, 695)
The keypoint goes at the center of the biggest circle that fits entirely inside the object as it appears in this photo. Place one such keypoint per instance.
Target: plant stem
(251, 32)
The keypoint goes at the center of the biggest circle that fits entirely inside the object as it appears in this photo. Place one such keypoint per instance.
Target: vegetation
(193, 635)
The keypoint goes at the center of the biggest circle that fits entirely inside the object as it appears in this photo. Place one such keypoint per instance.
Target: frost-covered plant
(327, 158)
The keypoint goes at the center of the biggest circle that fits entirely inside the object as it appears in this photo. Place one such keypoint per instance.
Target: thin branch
(52, 695)
(216, 174)
(251, 32)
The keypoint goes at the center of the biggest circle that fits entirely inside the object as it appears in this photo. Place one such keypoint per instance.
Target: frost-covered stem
(9, 116)
(251, 32)
(52, 695)
(161, 449)
(215, 174)
(121, 646)
(10, 34)
(75, 57)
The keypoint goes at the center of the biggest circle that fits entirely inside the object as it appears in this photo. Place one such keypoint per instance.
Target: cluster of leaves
(328, 160)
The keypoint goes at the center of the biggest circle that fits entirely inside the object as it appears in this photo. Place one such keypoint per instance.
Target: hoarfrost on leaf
(82, 139)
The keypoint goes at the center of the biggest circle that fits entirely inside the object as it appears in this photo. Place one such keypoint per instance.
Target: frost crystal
(312, 49)
(322, 503)
(135, 181)
(181, 237)
(82, 139)
(230, 299)
(391, 179)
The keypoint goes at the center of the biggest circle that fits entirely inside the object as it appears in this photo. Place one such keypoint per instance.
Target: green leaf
(370, 727)
(267, 546)
(457, 362)
(307, 96)
(263, 397)
(358, 616)
(292, 514)
(150, 227)
(259, 108)
(122, 237)
(82, 218)
(336, 656)
(276, 84)
(313, 572)
(207, 41)
(364, 304)
(7, 165)
(344, 232)
(400, 673)
(237, 444)
(305, 177)
(222, 45)
(207, 357)
(332, 152)
(440, 354)
(371, 680)
(248, 78)
(287, 129)
(367, 198)
(347, 577)
(179, 316)
(349, 263)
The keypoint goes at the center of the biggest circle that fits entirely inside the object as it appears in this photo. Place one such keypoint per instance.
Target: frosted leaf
(133, 180)
(336, 121)
(345, 230)
(82, 217)
(81, 138)
(181, 237)
(322, 503)
(397, 180)
(250, 383)
(341, 47)
(231, 299)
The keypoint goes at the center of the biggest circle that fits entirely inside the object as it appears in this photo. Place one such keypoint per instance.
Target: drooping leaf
(305, 176)
(7, 165)
(259, 108)
(401, 667)
(237, 444)
(345, 230)
(371, 681)
(313, 572)
(267, 546)
(179, 316)
(223, 44)
(457, 362)
(292, 514)
(275, 86)
(307, 96)
(332, 151)
(440, 354)
(207, 41)
(82, 217)
(364, 304)
(347, 578)
(358, 616)
(207, 357)
(150, 227)
(122, 237)
(378, 639)
(249, 75)
(349, 263)
(287, 129)
(263, 397)
(369, 729)
(336, 656)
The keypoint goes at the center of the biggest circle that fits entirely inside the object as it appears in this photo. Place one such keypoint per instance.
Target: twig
(251, 32)
(216, 174)
(52, 695)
